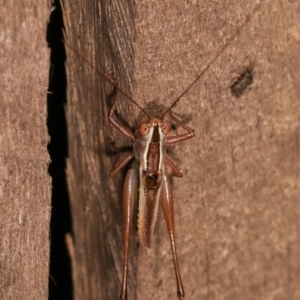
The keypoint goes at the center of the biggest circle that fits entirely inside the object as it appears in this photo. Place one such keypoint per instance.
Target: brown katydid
(147, 176)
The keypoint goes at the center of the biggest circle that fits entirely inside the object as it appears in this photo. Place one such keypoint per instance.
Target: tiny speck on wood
(241, 82)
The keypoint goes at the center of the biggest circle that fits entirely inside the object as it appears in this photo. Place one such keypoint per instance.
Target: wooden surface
(25, 185)
(237, 206)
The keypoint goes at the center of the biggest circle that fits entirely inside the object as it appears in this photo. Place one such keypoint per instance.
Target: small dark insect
(241, 82)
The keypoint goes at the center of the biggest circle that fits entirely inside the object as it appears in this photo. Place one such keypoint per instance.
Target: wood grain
(25, 186)
(237, 206)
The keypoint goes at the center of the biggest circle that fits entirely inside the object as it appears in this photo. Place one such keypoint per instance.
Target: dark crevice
(60, 282)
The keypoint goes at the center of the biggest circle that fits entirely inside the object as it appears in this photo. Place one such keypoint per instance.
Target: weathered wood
(25, 185)
(237, 206)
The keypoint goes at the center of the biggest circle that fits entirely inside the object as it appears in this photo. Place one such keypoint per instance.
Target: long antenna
(247, 20)
(105, 77)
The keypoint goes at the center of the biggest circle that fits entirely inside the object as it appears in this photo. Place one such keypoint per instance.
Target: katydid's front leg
(123, 129)
(181, 137)
(166, 201)
(116, 123)
(129, 194)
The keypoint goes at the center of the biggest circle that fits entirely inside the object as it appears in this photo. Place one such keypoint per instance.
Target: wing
(149, 194)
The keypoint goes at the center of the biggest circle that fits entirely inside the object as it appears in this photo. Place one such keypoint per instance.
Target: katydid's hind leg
(129, 195)
(166, 200)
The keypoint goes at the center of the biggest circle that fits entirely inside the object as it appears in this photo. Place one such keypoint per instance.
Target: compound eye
(165, 128)
(144, 129)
